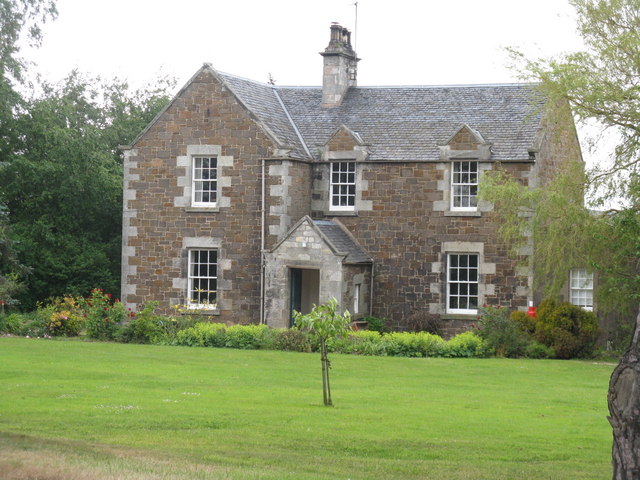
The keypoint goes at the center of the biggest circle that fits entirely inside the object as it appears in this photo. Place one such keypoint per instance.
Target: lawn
(75, 410)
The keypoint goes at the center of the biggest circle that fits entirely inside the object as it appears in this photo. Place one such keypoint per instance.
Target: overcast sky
(400, 42)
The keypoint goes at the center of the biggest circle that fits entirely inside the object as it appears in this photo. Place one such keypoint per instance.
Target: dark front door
(296, 293)
(304, 287)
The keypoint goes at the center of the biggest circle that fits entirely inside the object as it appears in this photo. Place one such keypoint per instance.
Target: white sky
(401, 42)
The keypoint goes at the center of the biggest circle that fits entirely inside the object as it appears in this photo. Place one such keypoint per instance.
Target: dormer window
(464, 186)
(343, 186)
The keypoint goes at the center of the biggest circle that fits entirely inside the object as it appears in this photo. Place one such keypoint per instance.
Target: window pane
(343, 188)
(464, 182)
(204, 182)
(202, 277)
(581, 288)
(462, 280)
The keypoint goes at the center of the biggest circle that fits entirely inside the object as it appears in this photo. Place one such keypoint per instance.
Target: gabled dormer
(338, 182)
(464, 157)
(344, 143)
(466, 142)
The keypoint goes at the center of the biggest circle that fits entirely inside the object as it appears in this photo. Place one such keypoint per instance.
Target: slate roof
(342, 242)
(262, 100)
(398, 123)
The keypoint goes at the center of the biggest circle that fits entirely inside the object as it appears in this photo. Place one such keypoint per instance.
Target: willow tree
(324, 322)
(600, 85)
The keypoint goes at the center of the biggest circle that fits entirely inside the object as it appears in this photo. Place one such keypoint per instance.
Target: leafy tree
(324, 322)
(600, 84)
(63, 188)
(11, 271)
(20, 20)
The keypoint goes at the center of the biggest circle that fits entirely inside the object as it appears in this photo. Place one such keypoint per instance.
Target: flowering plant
(63, 316)
(103, 315)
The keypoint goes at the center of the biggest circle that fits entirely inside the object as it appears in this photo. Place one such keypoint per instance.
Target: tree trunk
(323, 360)
(624, 408)
(328, 403)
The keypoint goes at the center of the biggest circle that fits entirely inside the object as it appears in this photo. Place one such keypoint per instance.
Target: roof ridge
(382, 87)
(240, 77)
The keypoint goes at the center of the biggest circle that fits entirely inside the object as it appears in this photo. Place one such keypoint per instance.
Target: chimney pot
(340, 66)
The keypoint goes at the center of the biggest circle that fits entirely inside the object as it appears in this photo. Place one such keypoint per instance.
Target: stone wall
(304, 248)
(408, 241)
(159, 224)
(288, 196)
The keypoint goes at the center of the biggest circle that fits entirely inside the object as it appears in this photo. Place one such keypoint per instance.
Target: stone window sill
(341, 213)
(459, 316)
(202, 209)
(462, 214)
(214, 312)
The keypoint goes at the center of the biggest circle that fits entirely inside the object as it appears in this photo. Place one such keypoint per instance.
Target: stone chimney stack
(340, 67)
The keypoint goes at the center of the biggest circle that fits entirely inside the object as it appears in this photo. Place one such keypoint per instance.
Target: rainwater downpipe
(262, 220)
(371, 291)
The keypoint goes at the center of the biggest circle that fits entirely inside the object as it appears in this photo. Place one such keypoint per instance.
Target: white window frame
(346, 184)
(356, 298)
(202, 177)
(462, 281)
(581, 288)
(202, 272)
(464, 185)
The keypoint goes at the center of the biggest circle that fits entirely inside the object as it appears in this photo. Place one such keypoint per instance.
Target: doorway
(304, 287)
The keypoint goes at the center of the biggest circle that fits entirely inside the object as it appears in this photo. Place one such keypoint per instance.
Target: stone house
(244, 200)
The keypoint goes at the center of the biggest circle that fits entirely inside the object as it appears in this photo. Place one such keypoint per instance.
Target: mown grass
(140, 412)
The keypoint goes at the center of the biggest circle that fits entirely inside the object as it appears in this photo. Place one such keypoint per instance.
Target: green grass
(142, 412)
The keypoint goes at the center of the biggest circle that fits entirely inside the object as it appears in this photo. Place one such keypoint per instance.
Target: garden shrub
(539, 350)
(568, 329)
(202, 334)
(525, 322)
(144, 327)
(62, 316)
(368, 343)
(10, 323)
(341, 345)
(171, 325)
(292, 340)
(23, 324)
(247, 337)
(103, 316)
(500, 333)
(422, 321)
(376, 324)
(466, 344)
(408, 344)
(362, 342)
